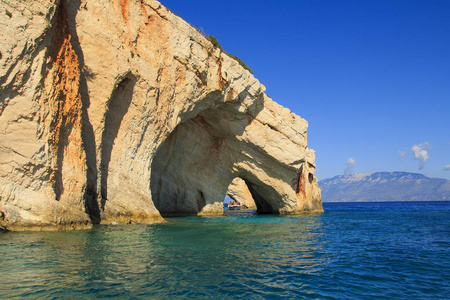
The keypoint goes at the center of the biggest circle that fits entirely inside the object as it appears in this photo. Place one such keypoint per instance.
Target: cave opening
(194, 168)
(239, 196)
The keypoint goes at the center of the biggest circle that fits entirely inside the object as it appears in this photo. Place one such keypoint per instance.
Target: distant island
(384, 186)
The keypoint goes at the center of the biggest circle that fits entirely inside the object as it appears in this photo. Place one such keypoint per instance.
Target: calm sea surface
(353, 251)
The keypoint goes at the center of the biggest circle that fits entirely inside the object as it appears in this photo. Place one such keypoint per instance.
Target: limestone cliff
(121, 111)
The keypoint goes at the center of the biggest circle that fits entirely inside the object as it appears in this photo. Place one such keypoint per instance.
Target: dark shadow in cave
(263, 206)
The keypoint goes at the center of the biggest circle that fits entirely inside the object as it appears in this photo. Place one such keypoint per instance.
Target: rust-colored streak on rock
(66, 103)
(64, 100)
(222, 81)
(124, 8)
(300, 189)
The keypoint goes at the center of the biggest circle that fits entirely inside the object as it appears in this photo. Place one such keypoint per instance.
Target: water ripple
(358, 251)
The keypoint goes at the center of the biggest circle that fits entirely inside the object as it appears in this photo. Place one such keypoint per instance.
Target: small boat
(234, 205)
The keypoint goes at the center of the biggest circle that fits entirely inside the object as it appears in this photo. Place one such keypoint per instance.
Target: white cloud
(401, 153)
(447, 168)
(421, 154)
(350, 164)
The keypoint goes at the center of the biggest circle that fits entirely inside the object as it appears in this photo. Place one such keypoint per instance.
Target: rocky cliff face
(121, 111)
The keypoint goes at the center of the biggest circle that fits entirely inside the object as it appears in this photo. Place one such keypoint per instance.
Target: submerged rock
(123, 112)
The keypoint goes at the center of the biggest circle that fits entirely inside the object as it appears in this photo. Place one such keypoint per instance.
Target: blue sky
(371, 77)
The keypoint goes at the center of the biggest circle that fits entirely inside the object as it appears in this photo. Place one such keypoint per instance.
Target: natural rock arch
(194, 166)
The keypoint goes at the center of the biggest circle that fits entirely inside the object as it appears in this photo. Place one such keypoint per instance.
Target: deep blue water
(352, 251)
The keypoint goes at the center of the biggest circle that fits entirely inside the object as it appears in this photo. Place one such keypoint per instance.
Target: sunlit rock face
(120, 111)
(239, 191)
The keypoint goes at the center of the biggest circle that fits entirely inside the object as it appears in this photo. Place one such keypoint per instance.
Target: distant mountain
(384, 186)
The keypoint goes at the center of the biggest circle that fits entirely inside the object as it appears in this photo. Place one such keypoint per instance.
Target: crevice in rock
(201, 201)
(117, 108)
(310, 178)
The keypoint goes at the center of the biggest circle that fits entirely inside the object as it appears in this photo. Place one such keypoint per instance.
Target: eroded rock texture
(121, 111)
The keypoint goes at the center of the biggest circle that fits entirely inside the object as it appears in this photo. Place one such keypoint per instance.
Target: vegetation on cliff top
(216, 44)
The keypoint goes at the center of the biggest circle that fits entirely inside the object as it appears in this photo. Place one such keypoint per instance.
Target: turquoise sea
(352, 251)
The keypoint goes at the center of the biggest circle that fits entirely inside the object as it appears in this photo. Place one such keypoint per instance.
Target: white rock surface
(120, 111)
(238, 191)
